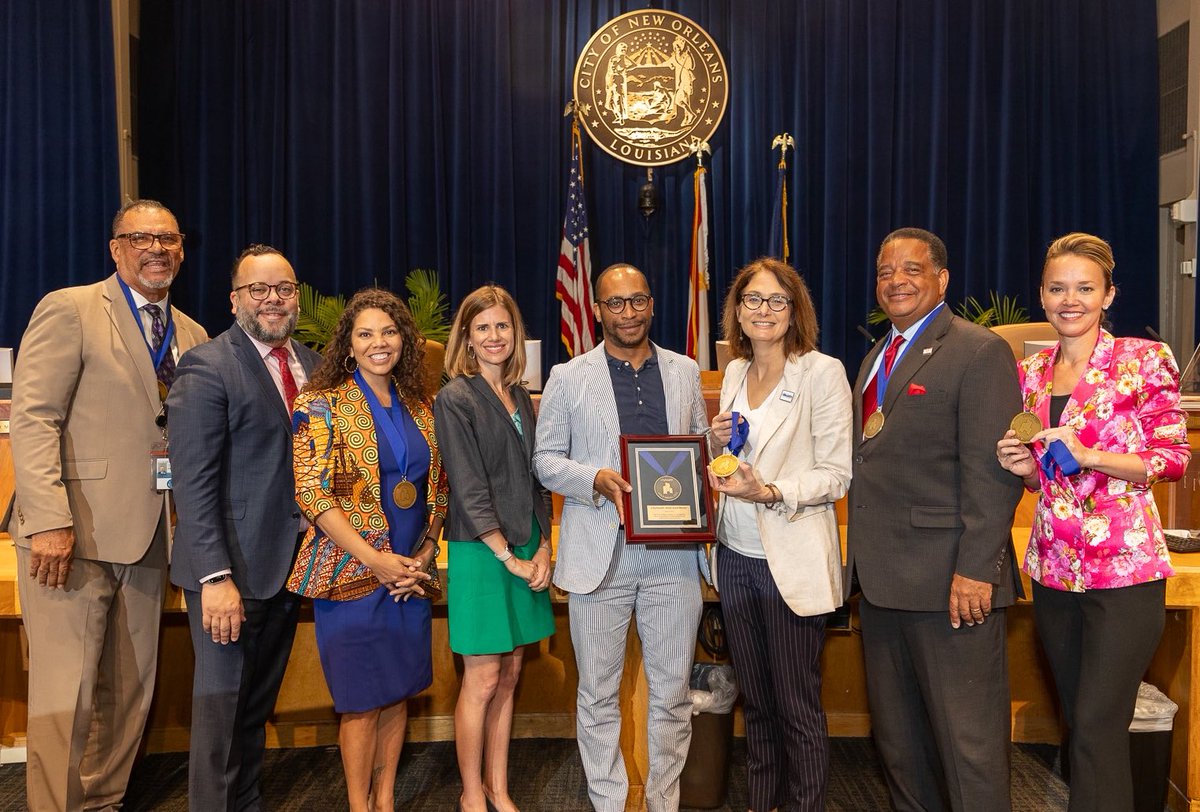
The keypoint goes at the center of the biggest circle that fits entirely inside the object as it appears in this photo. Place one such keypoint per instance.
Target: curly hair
(458, 362)
(801, 335)
(408, 374)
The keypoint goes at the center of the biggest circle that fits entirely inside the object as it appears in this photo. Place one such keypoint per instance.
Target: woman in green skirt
(498, 531)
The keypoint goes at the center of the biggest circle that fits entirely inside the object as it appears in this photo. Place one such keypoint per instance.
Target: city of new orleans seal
(648, 84)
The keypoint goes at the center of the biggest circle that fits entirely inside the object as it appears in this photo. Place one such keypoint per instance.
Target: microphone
(1150, 331)
(866, 333)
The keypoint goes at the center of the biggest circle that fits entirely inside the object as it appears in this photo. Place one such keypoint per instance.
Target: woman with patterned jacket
(364, 454)
(1096, 554)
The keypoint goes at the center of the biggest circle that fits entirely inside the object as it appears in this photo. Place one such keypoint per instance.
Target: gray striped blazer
(578, 434)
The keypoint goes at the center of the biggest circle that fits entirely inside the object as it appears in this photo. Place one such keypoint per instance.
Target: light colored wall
(1177, 180)
(125, 24)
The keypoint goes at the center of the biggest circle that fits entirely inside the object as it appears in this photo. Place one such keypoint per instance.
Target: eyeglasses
(616, 304)
(141, 240)
(261, 290)
(775, 301)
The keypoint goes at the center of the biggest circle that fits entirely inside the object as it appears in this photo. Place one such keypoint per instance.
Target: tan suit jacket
(84, 402)
(804, 449)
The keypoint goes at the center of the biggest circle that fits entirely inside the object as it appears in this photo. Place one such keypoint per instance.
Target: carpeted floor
(545, 775)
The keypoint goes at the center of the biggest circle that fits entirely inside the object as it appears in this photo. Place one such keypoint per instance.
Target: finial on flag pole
(783, 141)
(698, 148)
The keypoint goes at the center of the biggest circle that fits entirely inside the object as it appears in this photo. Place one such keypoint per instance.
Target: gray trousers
(661, 588)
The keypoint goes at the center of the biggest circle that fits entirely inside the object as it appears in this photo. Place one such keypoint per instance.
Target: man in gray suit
(626, 385)
(929, 538)
(231, 453)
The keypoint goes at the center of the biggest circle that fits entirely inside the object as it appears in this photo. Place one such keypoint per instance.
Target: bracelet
(504, 556)
(775, 493)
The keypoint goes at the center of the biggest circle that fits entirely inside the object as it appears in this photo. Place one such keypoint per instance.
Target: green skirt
(492, 611)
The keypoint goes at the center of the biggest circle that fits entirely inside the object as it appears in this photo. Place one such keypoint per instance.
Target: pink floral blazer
(1093, 531)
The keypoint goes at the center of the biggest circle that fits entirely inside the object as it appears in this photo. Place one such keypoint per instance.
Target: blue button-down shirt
(641, 402)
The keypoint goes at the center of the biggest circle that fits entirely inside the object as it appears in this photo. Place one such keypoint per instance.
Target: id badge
(160, 464)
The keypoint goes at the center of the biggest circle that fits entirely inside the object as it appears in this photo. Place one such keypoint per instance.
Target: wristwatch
(216, 579)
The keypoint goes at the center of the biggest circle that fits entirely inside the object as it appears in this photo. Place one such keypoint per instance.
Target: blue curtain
(59, 184)
(367, 138)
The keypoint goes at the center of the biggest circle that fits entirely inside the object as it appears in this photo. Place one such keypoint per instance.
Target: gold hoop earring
(346, 364)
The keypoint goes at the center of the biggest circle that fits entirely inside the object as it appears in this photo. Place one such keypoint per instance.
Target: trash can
(704, 781)
(1150, 748)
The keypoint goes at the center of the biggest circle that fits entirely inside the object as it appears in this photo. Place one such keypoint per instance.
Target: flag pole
(698, 335)
(779, 239)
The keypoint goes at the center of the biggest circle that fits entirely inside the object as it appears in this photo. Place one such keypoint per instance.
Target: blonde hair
(458, 361)
(1088, 246)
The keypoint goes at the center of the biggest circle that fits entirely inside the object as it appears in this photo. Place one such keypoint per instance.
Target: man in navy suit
(231, 453)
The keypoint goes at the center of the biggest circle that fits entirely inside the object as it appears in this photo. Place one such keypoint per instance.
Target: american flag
(697, 328)
(574, 285)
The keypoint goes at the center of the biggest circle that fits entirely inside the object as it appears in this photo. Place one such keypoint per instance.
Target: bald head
(620, 274)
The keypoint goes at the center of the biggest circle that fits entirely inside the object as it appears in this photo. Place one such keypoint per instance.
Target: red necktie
(870, 398)
(290, 391)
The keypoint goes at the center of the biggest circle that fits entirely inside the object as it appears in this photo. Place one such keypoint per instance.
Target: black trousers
(940, 710)
(777, 657)
(1099, 644)
(233, 695)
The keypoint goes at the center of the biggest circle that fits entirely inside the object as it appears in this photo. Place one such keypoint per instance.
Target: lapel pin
(786, 396)
(927, 351)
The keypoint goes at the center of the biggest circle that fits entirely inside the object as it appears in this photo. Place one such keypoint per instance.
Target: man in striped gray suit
(626, 385)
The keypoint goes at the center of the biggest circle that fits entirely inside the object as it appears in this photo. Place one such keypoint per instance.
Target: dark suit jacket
(231, 459)
(488, 464)
(928, 498)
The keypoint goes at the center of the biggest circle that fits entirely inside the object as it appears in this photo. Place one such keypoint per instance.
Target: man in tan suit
(89, 522)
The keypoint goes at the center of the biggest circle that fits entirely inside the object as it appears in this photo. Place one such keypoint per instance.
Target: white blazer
(578, 433)
(804, 446)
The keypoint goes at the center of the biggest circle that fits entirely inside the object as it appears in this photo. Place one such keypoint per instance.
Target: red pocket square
(916, 389)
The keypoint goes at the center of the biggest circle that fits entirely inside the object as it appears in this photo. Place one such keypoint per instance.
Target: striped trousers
(777, 657)
(660, 587)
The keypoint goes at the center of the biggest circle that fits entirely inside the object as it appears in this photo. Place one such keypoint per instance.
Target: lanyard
(383, 421)
(648, 458)
(882, 373)
(155, 357)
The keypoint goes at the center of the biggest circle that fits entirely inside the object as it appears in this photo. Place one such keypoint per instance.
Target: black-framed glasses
(616, 304)
(142, 240)
(776, 301)
(261, 290)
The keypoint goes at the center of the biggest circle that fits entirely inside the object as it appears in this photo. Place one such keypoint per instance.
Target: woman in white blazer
(778, 566)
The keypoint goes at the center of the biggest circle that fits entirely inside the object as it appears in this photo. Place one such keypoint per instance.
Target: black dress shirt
(641, 403)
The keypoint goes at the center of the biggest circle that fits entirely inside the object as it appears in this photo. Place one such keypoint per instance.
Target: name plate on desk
(670, 499)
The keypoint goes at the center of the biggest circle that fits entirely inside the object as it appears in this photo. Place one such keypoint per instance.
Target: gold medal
(404, 494)
(162, 392)
(1026, 425)
(724, 465)
(874, 424)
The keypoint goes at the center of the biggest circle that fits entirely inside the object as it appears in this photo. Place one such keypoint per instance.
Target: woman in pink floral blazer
(1097, 555)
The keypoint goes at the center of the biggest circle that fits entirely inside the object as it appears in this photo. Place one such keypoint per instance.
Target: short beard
(254, 327)
(615, 339)
(155, 284)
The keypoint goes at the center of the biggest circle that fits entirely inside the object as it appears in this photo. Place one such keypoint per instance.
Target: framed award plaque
(670, 499)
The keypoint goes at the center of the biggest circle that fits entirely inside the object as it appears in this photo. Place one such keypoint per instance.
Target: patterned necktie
(870, 394)
(158, 331)
(290, 391)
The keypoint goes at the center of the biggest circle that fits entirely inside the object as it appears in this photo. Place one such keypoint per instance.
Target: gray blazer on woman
(488, 464)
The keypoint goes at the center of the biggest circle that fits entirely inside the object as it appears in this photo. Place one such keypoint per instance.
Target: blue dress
(374, 651)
